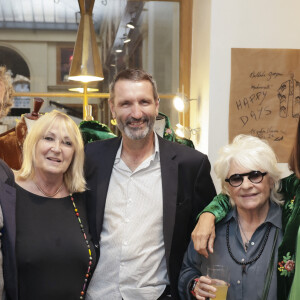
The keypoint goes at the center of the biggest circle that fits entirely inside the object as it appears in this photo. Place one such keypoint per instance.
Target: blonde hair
(7, 101)
(73, 177)
(252, 153)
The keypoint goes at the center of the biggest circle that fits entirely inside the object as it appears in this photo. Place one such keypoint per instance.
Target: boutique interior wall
(219, 26)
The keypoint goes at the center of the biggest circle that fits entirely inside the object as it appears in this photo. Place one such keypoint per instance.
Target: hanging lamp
(86, 65)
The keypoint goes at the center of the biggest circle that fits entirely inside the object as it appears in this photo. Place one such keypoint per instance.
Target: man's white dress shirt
(132, 262)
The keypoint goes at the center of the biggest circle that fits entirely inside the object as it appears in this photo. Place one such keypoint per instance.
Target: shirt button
(243, 259)
(126, 220)
(238, 282)
(122, 264)
(125, 243)
(252, 243)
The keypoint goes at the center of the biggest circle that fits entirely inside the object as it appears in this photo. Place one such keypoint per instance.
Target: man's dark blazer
(187, 188)
(8, 206)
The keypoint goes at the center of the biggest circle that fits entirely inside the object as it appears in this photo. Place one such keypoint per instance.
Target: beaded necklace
(88, 272)
(245, 263)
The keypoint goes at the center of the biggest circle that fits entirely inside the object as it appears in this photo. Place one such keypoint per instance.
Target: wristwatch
(193, 285)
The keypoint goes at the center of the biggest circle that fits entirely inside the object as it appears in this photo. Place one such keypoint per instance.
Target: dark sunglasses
(236, 180)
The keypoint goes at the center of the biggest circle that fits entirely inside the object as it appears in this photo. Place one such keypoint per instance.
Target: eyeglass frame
(263, 174)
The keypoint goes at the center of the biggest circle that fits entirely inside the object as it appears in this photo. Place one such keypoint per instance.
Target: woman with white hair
(248, 238)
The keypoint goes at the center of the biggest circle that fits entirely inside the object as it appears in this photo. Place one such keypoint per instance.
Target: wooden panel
(186, 14)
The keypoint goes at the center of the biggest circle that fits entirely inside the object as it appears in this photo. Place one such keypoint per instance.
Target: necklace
(88, 272)
(246, 244)
(245, 263)
(46, 194)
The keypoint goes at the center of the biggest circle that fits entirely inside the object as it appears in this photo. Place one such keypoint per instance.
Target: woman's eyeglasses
(236, 180)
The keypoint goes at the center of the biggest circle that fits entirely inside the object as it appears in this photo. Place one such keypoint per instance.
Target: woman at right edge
(288, 268)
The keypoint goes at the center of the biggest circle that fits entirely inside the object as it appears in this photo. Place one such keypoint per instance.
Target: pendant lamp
(86, 65)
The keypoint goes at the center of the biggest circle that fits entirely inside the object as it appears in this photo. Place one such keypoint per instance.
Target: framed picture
(64, 56)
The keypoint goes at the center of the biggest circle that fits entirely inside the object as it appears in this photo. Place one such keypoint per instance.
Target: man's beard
(136, 133)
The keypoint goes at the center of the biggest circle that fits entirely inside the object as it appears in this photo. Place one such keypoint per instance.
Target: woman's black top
(52, 255)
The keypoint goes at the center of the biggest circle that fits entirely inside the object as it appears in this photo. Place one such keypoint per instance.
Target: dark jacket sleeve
(189, 271)
(204, 188)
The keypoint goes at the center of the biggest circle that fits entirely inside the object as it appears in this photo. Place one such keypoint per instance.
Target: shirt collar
(155, 156)
(273, 216)
(156, 148)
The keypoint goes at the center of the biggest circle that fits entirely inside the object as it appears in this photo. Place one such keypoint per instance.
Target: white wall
(237, 24)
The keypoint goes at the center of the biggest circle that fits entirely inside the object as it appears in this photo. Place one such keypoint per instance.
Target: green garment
(290, 224)
(170, 135)
(93, 131)
(295, 290)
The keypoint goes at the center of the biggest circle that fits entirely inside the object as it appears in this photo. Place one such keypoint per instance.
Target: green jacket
(93, 131)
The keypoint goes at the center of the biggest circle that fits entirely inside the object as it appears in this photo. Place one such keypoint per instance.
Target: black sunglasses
(236, 180)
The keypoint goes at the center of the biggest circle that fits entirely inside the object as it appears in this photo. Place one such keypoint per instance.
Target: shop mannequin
(11, 141)
(160, 124)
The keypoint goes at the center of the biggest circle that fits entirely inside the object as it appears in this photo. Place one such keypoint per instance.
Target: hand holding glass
(219, 276)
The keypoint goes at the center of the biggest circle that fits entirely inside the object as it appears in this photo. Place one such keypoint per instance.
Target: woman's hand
(203, 235)
(204, 289)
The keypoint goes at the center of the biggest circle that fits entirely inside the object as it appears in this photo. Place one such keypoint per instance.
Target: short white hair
(251, 153)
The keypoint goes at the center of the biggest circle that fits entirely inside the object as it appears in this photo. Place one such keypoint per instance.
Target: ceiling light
(86, 65)
(119, 50)
(127, 40)
(130, 25)
(80, 90)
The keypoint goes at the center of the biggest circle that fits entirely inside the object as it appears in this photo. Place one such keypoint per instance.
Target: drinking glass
(220, 280)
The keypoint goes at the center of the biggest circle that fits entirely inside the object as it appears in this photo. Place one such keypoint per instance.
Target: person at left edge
(7, 196)
(144, 194)
(54, 255)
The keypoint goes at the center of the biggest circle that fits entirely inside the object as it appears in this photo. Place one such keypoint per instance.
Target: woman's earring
(113, 122)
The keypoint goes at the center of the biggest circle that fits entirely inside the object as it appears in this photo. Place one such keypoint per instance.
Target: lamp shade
(86, 65)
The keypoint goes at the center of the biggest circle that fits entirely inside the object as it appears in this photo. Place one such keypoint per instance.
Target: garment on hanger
(93, 131)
